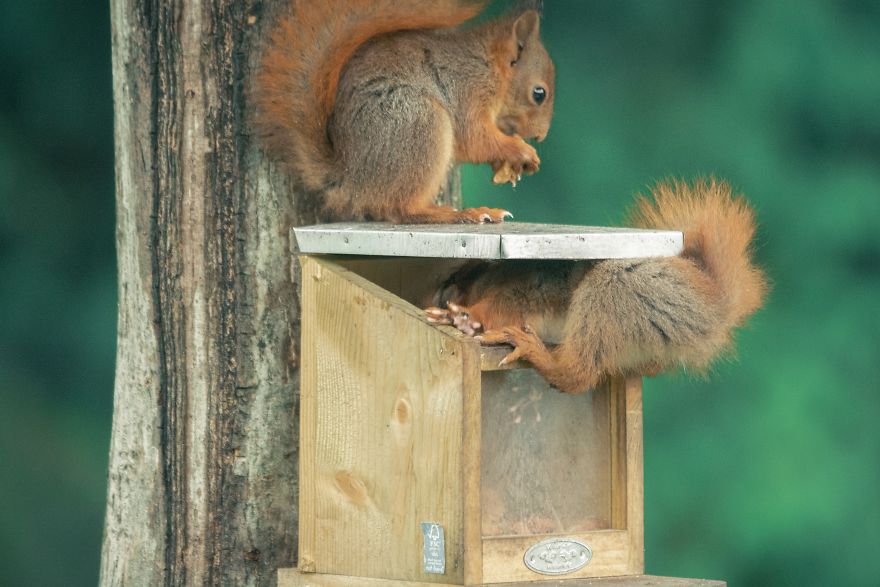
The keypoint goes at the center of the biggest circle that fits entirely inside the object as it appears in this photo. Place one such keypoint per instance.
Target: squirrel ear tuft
(526, 27)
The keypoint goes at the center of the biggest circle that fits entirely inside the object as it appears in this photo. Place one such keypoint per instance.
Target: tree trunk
(203, 457)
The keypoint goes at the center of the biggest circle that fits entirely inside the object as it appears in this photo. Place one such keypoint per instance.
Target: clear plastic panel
(546, 457)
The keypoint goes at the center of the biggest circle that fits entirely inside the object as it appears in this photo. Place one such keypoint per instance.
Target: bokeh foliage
(764, 474)
(57, 289)
(767, 472)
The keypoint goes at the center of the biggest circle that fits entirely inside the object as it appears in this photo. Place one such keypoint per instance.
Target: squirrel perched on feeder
(371, 102)
(620, 316)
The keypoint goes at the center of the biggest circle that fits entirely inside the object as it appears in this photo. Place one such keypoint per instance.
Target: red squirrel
(371, 102)
(621, 316)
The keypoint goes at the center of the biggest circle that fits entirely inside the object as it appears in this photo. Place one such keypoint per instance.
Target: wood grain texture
(617, 413)
(292, 578)
(203, 479)
(308, 419)
(471, 464)
(635, 488)
(386, 445)
(364, 388)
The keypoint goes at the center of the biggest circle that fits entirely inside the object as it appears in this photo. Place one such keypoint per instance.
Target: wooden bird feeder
(424, 462)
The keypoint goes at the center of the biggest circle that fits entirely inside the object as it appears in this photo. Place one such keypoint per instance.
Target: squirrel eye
(539, 94)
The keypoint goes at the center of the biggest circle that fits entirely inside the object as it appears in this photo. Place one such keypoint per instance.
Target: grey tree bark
(203, 456)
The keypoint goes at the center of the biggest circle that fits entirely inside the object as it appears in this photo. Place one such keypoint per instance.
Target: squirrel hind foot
(484, 215)
(448, 215)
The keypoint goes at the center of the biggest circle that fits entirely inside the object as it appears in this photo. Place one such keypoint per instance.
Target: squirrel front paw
(521, 160)
(504, 173)
(529, 162)
(454, 315)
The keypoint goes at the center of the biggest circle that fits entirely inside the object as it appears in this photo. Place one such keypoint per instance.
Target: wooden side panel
(307, 418)
(619, 494)
(635, 476)
(472, 454)
(383, 452)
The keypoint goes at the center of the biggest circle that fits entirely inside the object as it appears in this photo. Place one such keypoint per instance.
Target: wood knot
(352, 487)
(402, 411)
(401, 421)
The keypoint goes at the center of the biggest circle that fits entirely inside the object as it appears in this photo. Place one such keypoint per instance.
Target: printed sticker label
(434, 548)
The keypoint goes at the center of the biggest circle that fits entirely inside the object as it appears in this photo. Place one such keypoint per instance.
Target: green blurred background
(767, 473)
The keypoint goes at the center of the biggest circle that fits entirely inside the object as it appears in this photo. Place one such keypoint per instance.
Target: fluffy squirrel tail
(719, 230)
(643, 316)
(296, 86)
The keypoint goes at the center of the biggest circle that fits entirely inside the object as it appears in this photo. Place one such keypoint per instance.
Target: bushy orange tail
(719, 229)
(296, 87)
(644, 316)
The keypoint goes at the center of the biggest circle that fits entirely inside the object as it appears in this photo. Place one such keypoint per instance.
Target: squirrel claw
(455, 315)
(514, 355)
(527, 345)
(484, 215)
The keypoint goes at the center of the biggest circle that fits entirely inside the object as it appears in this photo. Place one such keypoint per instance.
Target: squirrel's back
(296, 87)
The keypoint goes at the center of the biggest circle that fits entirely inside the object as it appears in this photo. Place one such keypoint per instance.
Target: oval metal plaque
(557, 556)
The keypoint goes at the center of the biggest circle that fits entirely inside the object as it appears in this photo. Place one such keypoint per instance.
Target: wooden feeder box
(424, 462)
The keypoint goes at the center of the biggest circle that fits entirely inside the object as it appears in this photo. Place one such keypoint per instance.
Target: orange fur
(719, 230)
(296, 86)
(370, 104)
(626, 316)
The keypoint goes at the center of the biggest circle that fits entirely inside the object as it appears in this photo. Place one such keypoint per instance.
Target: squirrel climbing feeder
(424, 461)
